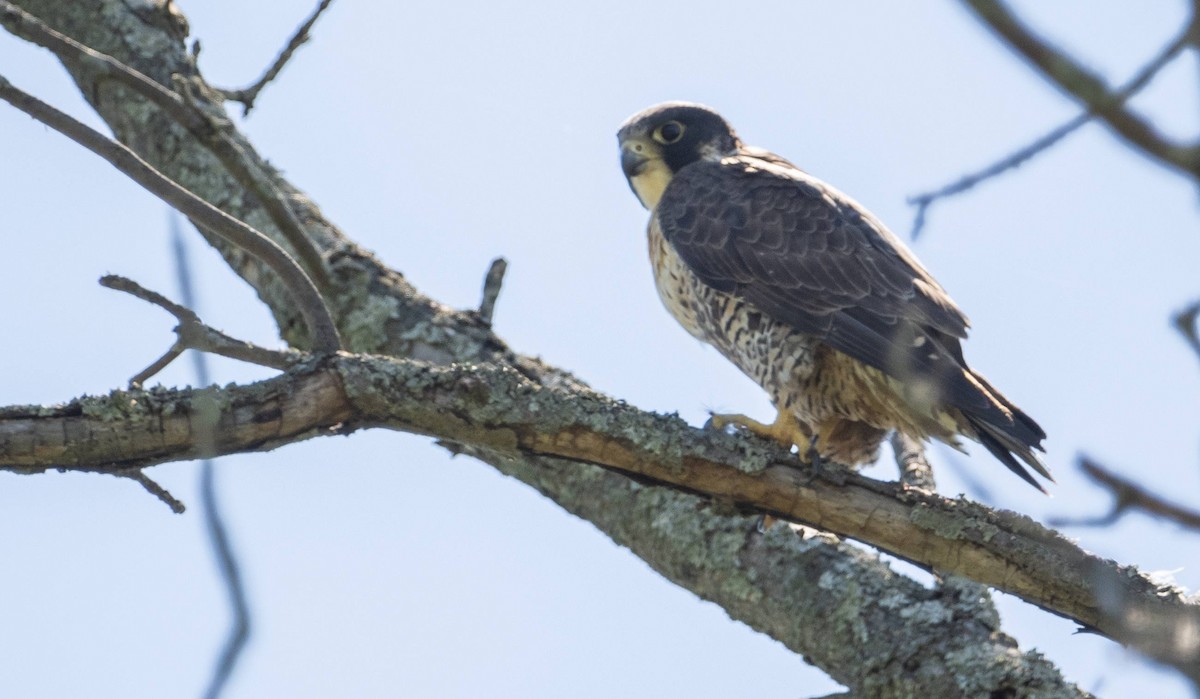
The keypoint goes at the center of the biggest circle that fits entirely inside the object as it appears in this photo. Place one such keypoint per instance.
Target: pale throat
(649, 184)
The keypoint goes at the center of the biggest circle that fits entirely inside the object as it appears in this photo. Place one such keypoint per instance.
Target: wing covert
(808, 256)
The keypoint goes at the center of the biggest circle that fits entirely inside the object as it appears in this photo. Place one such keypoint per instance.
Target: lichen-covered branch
(781, 583)
(495, 411)
(208, 128)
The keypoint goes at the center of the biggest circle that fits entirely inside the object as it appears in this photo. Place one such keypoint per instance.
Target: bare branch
(1185, 323)
(247, 95)
(1127, 497)
(193, 334)
(207, 127)
(491, 289)
(154, 489)
(184, 315)
(1088, 88)
(924, 201)
(307, 298)
(140, 378)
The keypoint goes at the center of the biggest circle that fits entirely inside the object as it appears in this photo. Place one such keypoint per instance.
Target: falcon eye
(669, 133)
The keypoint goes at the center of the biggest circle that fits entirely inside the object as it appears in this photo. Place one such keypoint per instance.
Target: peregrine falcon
(809, 295)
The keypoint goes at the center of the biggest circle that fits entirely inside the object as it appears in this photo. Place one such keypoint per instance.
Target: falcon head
(658, 142)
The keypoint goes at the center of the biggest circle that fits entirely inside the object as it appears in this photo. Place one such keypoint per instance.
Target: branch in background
(324, 335)
(924, 201)
(1195, 40)
(205, 125)
(1185, 323)
(247, 95)
(1108, 106)
(1127, 497)
(214, 523)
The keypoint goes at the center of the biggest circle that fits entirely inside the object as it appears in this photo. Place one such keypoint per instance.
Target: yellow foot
(784, 430)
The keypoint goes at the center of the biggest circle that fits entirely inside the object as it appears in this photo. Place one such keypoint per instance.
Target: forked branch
(247, 95)
(1091, 90)
(324, 335)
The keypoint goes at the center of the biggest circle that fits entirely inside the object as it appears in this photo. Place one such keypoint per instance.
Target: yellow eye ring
(669, 133)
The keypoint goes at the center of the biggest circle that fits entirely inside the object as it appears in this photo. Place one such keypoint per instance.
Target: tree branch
(195, 335)
(307, 298)
(491, 289)
(922, 202)
(247, 95)
(495, 410)
(1185, 323)
(156, 490)
(206, 125)
(549, 436)
(1080, 83)
(1127, 497)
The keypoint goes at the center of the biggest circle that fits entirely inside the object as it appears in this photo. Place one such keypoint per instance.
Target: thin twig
(156, 490)
(116, 282)
(1127, 496)
(139, 379)
(247, 95)
(324, 335)
(195, 335)
(1185, 323)
(218, 536)
(208, 129)
(1088, 88)
(923, 201)
(491, 289)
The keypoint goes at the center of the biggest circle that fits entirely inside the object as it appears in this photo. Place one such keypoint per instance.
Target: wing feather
(809, 256)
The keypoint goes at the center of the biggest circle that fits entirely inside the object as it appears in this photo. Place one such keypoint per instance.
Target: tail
(1009, 435)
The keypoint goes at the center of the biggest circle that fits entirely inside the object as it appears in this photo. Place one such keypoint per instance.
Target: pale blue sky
(441, 137)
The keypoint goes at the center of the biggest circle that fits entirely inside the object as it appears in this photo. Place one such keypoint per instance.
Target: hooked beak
(632, 162)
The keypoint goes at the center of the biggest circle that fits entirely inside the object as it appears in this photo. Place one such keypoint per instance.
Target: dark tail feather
(1009, 434)
(1024, 429)
(987, 436)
